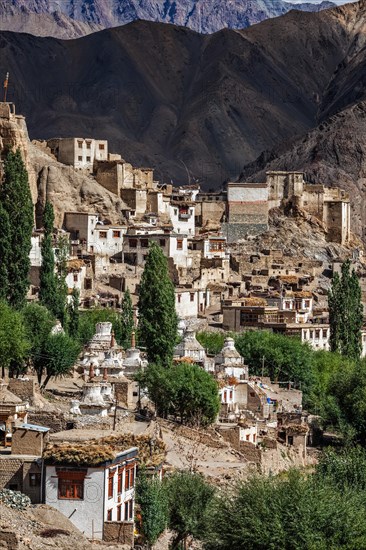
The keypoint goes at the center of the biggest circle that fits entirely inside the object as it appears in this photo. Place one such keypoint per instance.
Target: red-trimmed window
(120, 480)
(119, 512)
(109, 515)
(128, 510)
(110, 483)
(71, 485)
(129, 477)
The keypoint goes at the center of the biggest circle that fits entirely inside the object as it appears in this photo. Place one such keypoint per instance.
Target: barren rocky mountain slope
(75, 18)
(167, 97)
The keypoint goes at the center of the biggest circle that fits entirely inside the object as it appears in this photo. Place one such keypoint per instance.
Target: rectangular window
(231, 394)
(324, 333)
(119, 512)
(129, 478)
(307, 303)
(120, 478)
(317, 334)
(132, 243)
(179, 244)
(128, 510)
(247, 437)
(116, 234)
(80, 159)
(34, 480)
(76, 277)
(80, 144)
(88, 284)
(88, 144)
(162, 242)
(110, 483)
(144, 243)
(87, 159)
(191, 296)
(179, 298)
(109, 515)
(101, 146)
(102, 234)
(71, 487)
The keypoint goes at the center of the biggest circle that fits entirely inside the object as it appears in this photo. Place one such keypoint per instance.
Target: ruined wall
(55, 421)
(109, 175)
(25, 389)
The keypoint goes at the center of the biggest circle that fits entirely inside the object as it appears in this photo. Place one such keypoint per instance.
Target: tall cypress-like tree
(73, 313)
(127, 323)
(47, 276)
(16, 200)
(345, 313)
(158, 321)
(62, 253)
(4, 252)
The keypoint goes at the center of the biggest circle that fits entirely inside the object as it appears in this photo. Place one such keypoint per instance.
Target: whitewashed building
(92, 496)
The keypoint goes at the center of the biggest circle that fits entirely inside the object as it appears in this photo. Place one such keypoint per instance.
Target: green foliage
(213, 342)
(345, 313)
(58, 355)
(189, 498)
(276, 356)
(47, 275)
(88, 319)
(185, 391)
(127, 321)
(151, 497)
(290, 513)
(73, 314)
(16, 200)
(158, 321)
(14, 345)
(62, 254)
(345, 468)
(5, 252)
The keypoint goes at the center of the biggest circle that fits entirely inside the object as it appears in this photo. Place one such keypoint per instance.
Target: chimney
(113, 340)
(91, 372)
(133, 339)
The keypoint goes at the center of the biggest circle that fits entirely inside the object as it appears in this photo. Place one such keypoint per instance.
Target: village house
(95, 491)
(80, 153)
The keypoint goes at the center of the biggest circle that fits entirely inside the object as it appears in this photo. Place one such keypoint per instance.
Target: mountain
(168, 97)
(75, 18)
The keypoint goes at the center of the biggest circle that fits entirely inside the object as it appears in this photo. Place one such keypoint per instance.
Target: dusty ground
(32, 524)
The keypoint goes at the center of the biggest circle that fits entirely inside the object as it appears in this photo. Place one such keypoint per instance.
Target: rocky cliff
(75, 18)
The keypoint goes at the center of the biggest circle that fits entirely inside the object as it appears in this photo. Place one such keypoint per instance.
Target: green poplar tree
(73, 313)
(127, 324)
(158, 321)
(152, 500)
(62, 253)
(345, 313)
(16, 200)
(47, 276)
(4, 252)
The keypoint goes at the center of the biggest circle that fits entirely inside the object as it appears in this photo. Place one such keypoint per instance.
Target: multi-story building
(79, 152)
(96, 492)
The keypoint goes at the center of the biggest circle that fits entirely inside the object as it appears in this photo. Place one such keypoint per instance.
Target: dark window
(179, 244)
(162, 242)
(101, 146)
(88, 284)
(120, 478)
(109, 515)
(144, 243)
(87, 159)
(80, 159)
(88, 144)
(119, 512)
(80, 144)
(179, 298)
(191, 297)
(116, 234)
(132, 243)
(76, 277)
(128, 510)
(129, 477)
(102, 234)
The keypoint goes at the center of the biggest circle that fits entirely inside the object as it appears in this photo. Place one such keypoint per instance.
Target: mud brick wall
(25, 389)
(121, 532)
(56, 422)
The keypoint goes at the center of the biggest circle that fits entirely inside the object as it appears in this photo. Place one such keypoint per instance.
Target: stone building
(81, 153)
(247, 210)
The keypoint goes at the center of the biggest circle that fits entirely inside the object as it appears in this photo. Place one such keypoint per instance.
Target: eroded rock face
(69, 190)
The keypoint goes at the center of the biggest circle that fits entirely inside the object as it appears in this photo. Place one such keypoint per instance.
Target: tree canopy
(14, 343)
(184, 391)
(152, 501)
(127, 320)
(158, 321)
(16, 201)
(345, 313)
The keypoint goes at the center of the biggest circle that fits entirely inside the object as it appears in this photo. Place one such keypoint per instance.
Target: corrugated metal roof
(33, 427)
